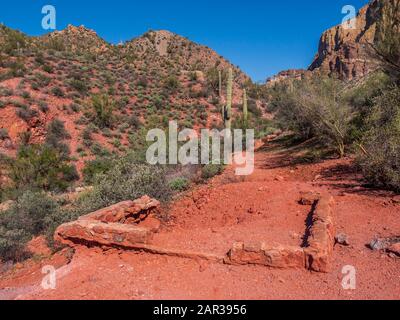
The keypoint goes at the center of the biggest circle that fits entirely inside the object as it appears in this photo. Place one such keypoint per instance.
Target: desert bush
(179, 184)
(56, 134)
(314, 108)
(100, 165)
(14, 40)
(380, 159)
(17, 69)
(171, 84)
(211, 170)
(26, 113)
(127, 179)
(58, 92)
(103, 107)
(25, 219)
(48, 68)
(212, 78)
(387, 42)
(3, 134)
(79, 85)
(56, 128)
(12, 244)
(41, 167)
(43, 106)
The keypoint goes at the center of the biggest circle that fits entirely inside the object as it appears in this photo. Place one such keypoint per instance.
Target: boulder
(106, 234)
(342, 239)
(395, 248)
(118, 225)
(283, 257)
(308, 198)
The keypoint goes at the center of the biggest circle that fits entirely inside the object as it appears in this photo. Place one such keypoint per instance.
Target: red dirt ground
(261, 207)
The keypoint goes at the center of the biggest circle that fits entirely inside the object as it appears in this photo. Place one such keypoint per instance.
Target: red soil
(261, 207)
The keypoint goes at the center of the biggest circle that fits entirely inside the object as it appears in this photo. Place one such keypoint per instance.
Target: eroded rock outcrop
(347, 52)
(118, 225)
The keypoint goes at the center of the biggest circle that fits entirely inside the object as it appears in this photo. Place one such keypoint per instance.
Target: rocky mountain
(347, 52)
(342, 51)
(157, 77)
(293, 74)
(74, 39)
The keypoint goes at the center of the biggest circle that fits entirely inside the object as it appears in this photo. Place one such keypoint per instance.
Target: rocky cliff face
(346, 51)
(293, 74)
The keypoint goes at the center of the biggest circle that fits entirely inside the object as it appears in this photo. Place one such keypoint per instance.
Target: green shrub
(43, 106)
(26, 113)
(96, 167)
(58, 92)
(127, 179)
(171, 84)
(48, 68)
(314, 108)
(28, 217)
(3, 134)
(12, 244)
(211, 170)
(103, 107)
(57, 129)
(179, 184)
(41, 167)
(79, 85)
(380, 161)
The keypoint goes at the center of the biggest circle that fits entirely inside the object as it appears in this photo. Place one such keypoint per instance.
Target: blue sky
(262, 37)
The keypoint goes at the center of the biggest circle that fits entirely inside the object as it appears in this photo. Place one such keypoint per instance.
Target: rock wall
(347, 51)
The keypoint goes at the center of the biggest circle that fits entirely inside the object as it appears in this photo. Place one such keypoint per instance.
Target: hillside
(154, 78)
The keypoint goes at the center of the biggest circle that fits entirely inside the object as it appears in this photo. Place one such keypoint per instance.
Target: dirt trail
(261, 207)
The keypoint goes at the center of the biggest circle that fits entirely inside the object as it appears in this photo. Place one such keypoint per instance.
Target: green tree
(103, 107)
(387, 42)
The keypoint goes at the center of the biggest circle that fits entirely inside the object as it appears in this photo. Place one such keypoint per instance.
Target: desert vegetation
(84, 114)
(348, 118)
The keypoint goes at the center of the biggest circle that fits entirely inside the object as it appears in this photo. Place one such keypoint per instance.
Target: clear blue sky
(263, 37)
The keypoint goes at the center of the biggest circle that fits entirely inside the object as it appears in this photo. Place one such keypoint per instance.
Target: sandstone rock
(321, 239)
(276, 257)
(396, 200)
(308, 198)
(38, 246)
(383, 243)
(113, 226)
(342, 239)
(152, 224)
(292, 74)
(395, 249)
(108, 234)
(317, 177)
(138, 210)
(379, 244)
(347, 52)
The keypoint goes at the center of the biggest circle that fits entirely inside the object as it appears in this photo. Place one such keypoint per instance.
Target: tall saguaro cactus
(228, 108)
(220, 84)
(245, 108)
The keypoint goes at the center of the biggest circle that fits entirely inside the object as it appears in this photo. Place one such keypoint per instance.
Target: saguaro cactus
(245, 108)
(228, 108)
(220, 84)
